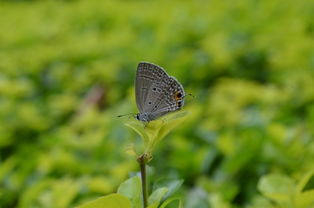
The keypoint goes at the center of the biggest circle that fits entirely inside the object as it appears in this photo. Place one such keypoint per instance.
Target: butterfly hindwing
(171, 101)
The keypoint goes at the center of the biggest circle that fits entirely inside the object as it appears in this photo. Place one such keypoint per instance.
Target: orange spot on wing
(178, 96)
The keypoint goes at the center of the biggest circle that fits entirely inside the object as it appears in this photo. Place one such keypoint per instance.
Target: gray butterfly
(156, 92)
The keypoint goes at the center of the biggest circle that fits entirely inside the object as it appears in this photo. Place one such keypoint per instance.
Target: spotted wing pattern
(172, 99)
(157, 93)
(148, 77)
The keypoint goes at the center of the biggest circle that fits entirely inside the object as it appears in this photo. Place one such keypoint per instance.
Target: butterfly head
(142, 117)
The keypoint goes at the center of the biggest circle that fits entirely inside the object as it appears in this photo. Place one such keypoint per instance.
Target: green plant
(133, 192)
(281, 191)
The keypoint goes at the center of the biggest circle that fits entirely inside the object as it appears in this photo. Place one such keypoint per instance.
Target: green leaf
(153, 132)
(131, 189)
(170, 200)
(110, 201)
(277, 187)
(139, 128)
(171, 121)
(305, 199)
(172, 185)
(156, 196)
(155, 205)
(260, 202)
(305, 179)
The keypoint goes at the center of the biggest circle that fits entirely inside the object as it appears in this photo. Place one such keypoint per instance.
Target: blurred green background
(67, 70)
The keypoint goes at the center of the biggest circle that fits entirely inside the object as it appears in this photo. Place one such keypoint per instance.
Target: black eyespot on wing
(149, 103)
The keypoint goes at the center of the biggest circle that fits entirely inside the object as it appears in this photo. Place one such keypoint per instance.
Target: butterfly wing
(171, 99)
(148, 77)
(157, 93)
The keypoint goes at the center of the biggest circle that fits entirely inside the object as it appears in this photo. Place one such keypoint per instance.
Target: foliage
(129, 194)
(110, 201)
(285, 192)
(153, 132)
(67, 70)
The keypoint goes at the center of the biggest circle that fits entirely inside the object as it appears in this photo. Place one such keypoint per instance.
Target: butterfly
(156, 92)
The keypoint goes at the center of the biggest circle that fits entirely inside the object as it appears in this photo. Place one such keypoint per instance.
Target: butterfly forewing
(146, 76)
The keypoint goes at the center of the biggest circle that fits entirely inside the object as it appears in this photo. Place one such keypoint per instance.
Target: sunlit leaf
(277, 187)
(157, 195)
(171, 200)
(154, 205)
(172, 185)
(154, 131)
(110, 201)
(304, 180)
(138, 127)
(131, 189)
(171, 122)
(305, 199)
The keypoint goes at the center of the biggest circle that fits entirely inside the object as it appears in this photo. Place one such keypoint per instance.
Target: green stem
(142, 161)
(144, 186)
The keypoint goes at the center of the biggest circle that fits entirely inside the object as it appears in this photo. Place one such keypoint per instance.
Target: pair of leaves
(132, 189)
(130, 196)
(285, 192)
(153, 132)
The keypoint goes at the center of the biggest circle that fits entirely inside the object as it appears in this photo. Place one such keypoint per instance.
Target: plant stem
(142, 161)
(144, 186)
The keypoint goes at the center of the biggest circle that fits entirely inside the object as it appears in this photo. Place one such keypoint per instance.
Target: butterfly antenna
(128, 114)
(190, 94)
